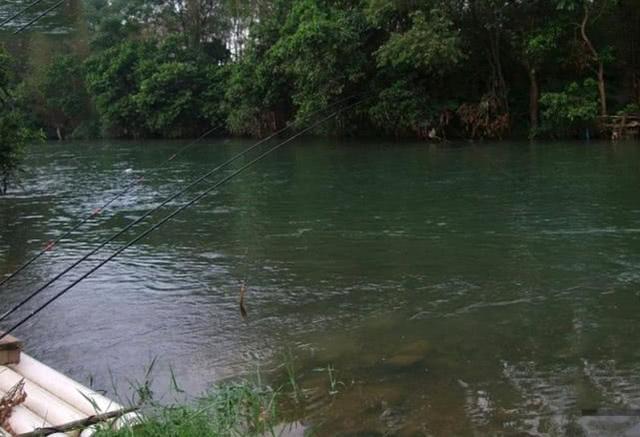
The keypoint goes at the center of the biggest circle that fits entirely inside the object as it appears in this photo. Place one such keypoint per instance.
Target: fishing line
(152, 210)
(173, 214)
(39, 17)
(51, 244)
(13, 17)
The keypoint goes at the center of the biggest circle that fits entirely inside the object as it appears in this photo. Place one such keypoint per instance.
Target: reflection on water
(455, 291)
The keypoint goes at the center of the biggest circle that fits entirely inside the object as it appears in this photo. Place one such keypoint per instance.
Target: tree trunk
(534, 100)
(59, 133)
(602, 92)
(499, 83)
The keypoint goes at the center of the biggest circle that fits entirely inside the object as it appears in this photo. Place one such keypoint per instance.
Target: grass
(333, 381)
(233, 409)
(288, 363)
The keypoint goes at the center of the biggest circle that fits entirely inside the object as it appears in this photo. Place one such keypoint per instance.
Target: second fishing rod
(153, 210)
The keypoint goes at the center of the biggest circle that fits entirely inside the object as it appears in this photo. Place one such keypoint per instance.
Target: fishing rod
(151, 211)
(27, 25)
(16, 15)
(173, 214)
(51, 244)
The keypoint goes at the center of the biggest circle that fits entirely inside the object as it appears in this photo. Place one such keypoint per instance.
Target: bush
(568, 112)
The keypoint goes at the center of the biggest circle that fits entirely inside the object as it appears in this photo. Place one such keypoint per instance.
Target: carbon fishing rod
(152, 210)
(27, 25)
(173, 214)
(16, 15)
(97, 211)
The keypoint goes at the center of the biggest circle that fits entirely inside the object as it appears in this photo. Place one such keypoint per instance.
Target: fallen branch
(79, 424)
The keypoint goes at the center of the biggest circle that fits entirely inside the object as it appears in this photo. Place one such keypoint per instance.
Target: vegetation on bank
(240, 409)
(431, 69)
(247, 406)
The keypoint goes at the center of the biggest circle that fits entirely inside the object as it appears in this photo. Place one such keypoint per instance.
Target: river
(456, 290)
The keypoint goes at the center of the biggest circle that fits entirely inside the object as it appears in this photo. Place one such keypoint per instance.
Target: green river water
(489, 289)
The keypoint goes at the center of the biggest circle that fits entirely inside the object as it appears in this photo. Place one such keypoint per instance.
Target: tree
(421, 47)
(113, 77)
(63, 94)
(169, 99)
(536, 41)
(258, 91)
(590, 11)
(322, 48)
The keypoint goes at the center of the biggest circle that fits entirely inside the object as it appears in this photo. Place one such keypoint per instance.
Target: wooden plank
(10, 348)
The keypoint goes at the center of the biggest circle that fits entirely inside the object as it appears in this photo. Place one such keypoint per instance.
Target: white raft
(52, 399)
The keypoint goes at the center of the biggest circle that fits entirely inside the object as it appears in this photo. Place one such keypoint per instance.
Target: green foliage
(15, 134)
(5, 64)
(213, 97)
(539, 43)
(631, 108)
(145, 88)
(63, 93)
(430, 45)
(170, 97)
(399, 110)
(14, 137)
(113, 79)
(63, 86)
(257, 97)
(245, 96)
(571, 109)
(321, 49)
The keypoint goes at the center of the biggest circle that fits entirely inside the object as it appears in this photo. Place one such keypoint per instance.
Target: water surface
(461, 290)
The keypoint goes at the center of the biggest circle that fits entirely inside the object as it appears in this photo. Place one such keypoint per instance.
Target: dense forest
(429, 69)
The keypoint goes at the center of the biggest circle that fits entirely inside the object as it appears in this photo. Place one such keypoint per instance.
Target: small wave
(481, 305)
(594, 231)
